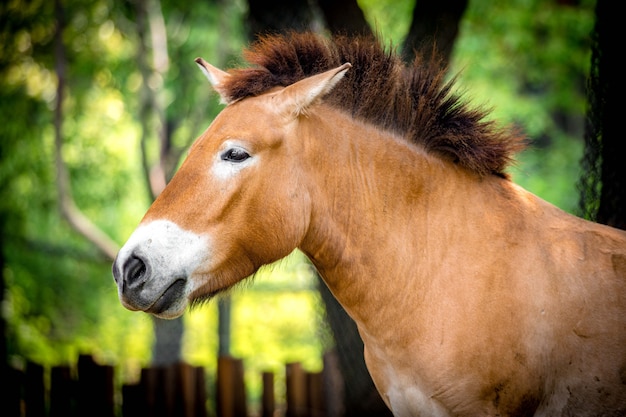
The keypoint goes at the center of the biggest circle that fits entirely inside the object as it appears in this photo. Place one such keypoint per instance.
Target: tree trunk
(435, 22)
(344, 17)
(603, 185)
(168, 336)
(361, 397)
(4, 358)
(67, 207)
(224, 325)
(276, 16)
(153, 59)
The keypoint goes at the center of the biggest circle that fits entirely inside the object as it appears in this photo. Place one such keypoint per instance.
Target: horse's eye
(235, 155)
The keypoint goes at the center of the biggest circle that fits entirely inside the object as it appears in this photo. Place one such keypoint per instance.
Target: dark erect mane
(412, 101)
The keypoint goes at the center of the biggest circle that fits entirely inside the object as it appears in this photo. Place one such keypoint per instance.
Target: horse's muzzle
(140, 290)
(152, 270)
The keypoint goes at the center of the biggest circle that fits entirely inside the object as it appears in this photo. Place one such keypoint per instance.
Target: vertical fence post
(62, 395)
(95, 388)
(296, 390)
(190, 396)
(169, 390)
(12, 392)
(200, 389)
(225, 383)
(315, 394)
(333, 386)
(231, 390)
(34, 391)
(148, 382)
(241, 405)
(154, 401)
(133, 400)
(185, 395)
(268, 401)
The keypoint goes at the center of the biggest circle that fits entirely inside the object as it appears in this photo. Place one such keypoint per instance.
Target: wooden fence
(178, 390)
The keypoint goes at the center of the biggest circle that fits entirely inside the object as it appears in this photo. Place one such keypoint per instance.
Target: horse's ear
(297, 97)
(216, 77)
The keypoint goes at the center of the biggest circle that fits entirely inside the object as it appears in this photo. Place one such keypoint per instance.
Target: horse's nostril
(134, 271)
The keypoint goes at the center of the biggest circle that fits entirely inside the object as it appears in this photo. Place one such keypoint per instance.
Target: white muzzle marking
(152, 269)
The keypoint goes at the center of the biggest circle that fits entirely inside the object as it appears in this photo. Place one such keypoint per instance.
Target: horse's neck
(372, 195)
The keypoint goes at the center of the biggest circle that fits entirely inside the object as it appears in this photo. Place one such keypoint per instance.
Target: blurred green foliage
(525, 58)
(528, 60)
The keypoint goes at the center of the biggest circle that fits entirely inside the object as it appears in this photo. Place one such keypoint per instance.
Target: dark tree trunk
(603, 185)
(344, 17)
(361, 397)
(434, 22)
(276, 16)
(4, 358)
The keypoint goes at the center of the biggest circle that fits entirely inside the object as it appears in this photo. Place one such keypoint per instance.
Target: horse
(473, 296)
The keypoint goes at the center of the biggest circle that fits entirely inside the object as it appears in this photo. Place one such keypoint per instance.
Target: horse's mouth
(170, 296)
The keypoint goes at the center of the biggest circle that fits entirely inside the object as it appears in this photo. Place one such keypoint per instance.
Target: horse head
(236, 203)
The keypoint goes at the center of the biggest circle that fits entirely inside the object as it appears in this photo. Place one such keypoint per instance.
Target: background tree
(149, 21)
(153, 61)
(434, 23)
(159, 122)
(603, 184)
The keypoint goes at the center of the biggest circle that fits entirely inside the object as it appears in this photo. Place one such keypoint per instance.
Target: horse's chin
(172, 302)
